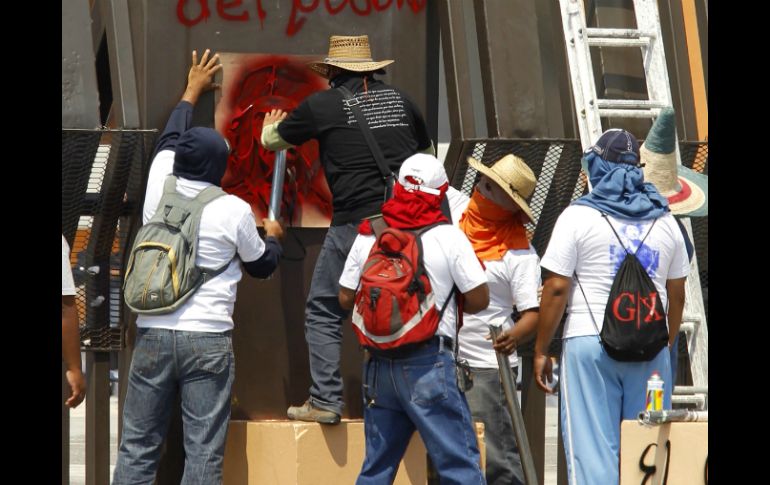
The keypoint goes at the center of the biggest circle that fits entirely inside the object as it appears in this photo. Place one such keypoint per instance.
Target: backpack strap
(204, 197)
(378, 225)
(208, 194)
(176, 217)
(169, 186)
(388, 177)
(420, 263)
(455, 291)
(209, 273)
(588, 305)
(606, 218)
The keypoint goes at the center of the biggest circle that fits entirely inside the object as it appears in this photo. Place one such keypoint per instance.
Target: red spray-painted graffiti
(234, 10)
(258, 84)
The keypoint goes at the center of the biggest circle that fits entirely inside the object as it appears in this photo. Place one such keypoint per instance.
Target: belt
(407, 349)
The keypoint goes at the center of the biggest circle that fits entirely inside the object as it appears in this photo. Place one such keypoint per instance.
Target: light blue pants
(599, 392)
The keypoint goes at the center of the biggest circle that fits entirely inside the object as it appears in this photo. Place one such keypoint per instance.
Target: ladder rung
(616, 33)
(610, 42)
(629, 113)
(697, 399)
(628, 104)
(682, 390)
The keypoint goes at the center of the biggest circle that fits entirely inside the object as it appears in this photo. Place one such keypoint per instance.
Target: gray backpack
(161, 273)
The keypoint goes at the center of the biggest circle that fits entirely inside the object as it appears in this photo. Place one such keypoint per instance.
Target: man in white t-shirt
(70, 333)
(190, 350)
(493, 221)
(598, 391)
(415, 386)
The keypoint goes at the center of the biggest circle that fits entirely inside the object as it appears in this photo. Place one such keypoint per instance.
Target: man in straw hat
(685, 189)
(357, 188)
(597, 390)
(493, 221)
(414, 386)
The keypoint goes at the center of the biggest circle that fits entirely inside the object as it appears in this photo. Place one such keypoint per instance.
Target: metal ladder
(590, 109)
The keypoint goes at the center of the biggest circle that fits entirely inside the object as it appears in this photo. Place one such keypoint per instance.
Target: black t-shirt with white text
(355, 181)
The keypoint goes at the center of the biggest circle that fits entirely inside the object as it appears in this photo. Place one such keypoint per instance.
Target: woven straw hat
(513, 176)
(350, 52)
(685, 189)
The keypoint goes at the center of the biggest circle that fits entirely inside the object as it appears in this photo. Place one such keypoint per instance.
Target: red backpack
(395, 303)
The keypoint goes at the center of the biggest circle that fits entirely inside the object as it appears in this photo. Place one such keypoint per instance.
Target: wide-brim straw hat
(349, 52)
(685, 189)
(513, 176)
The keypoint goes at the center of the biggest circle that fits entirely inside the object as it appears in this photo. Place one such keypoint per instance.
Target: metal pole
(512, 400)
(276, 191)
(672, 416)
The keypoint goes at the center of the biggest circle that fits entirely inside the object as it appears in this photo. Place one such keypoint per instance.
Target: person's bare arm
(555, 294)
(524, 329)
(675, 290)
(476, 299)
(70, 350)
(347, 298)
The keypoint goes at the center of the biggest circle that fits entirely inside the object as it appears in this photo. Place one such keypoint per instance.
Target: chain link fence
(103, 177)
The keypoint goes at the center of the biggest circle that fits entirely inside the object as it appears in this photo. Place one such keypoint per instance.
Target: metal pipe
(512, 400)
(276, 191)
(673, 415)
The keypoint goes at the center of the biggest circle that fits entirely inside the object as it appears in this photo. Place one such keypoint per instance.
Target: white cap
(422, 172)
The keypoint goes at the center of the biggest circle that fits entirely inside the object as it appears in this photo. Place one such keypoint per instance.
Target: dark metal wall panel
(271, 357)
(80, 96)
(163, 43)
(457, 69)
(509, 52)
(559, 106)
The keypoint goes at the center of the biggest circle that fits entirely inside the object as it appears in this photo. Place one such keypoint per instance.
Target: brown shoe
(307, 412)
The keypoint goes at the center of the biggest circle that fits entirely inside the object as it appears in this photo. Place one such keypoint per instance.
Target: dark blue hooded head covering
(618, 183)
(201, 154)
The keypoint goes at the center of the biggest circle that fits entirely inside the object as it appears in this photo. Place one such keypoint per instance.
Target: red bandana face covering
(410, 209)
(491, 229)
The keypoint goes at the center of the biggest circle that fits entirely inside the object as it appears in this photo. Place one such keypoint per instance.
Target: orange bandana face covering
(491, 229)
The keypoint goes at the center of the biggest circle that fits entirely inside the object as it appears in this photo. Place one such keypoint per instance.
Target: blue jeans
(486, 400)
(200, 366)
(418, 391)
(324, 317)
(599, 392)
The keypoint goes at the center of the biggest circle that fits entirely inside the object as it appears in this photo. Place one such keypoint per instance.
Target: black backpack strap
(455, 291)
(645, 236)
(606, 218)
(387, 175)
(588, 305)
(418, 235)
(445, 209)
